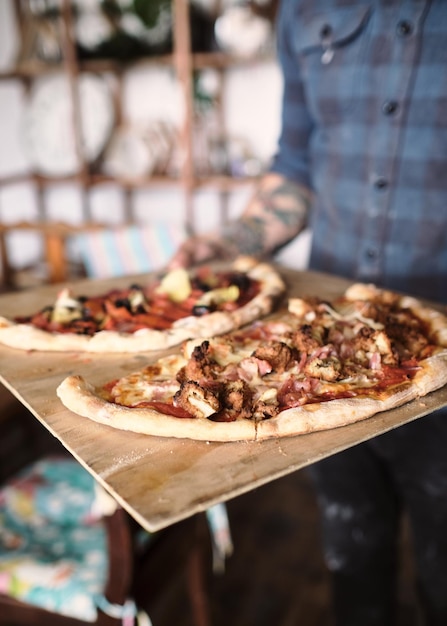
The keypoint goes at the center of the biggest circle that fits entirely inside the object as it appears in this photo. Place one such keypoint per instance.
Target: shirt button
(381, 183)
(326, 31)
(371, 253)
(404, 28)
(390, 107)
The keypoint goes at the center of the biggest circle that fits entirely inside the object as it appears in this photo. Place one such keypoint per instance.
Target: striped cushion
(134, 249)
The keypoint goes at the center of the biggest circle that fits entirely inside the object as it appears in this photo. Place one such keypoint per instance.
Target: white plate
(240, 32)
(49, 129)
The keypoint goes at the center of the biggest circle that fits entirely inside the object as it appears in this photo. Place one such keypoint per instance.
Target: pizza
(312, 366)
(170, 309)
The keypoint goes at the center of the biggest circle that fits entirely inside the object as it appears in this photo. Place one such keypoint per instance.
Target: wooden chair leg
(176, 559)
(196, 581)
(197, 584)
(7, 278)
(55, 256)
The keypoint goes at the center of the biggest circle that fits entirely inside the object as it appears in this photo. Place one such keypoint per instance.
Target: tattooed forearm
(286, 203)
(276, 214)
(247, 235)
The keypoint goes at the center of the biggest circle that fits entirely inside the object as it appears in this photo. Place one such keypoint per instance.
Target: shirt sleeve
(292, 157)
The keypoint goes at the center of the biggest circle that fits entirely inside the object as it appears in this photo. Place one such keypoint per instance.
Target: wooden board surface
(161, 481)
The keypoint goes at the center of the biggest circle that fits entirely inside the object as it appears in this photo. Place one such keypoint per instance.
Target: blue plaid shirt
(365, 126)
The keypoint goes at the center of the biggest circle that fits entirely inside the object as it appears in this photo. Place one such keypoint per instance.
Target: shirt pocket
(330, 48)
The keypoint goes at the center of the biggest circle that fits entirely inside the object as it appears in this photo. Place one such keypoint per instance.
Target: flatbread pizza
(315, 366)
(163, 313)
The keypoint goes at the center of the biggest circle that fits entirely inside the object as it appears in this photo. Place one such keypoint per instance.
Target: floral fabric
(53, 548)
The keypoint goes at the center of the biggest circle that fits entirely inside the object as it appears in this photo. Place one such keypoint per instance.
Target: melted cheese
(154, 383)
(358, 357)
(66, 308)
(176, 285)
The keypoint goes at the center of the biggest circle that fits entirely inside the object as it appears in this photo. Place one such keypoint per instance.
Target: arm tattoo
(287, 203)
(275, 216)
(247, 235)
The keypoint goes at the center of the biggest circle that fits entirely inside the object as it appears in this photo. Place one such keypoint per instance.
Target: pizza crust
(436, 320)
(342, 412)
(27, 337)
(82, 398)
(264, 302)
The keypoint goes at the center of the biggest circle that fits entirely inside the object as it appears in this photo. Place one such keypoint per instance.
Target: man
(362, 158)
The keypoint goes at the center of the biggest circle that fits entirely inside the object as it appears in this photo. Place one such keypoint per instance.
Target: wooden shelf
(221, 182)
(85, 179)
(34, 69)
(184, 63)
(222, 60)
(199, 61)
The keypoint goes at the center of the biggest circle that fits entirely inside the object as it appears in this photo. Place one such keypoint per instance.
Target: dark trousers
(361, 493)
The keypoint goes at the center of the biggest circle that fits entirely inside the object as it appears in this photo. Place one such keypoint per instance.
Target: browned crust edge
(342, 412)
(83, 399)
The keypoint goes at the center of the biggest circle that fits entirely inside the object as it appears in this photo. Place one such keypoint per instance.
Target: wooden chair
(54, 237)
(119, 584)
(147, 577)
(136, 576)
(49, 502)
(127, 248)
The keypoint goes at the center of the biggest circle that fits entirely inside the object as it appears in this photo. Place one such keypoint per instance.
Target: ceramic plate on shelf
(241, 32)
(48, 127)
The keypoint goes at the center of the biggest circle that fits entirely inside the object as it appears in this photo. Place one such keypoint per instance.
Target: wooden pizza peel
(161, 481)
